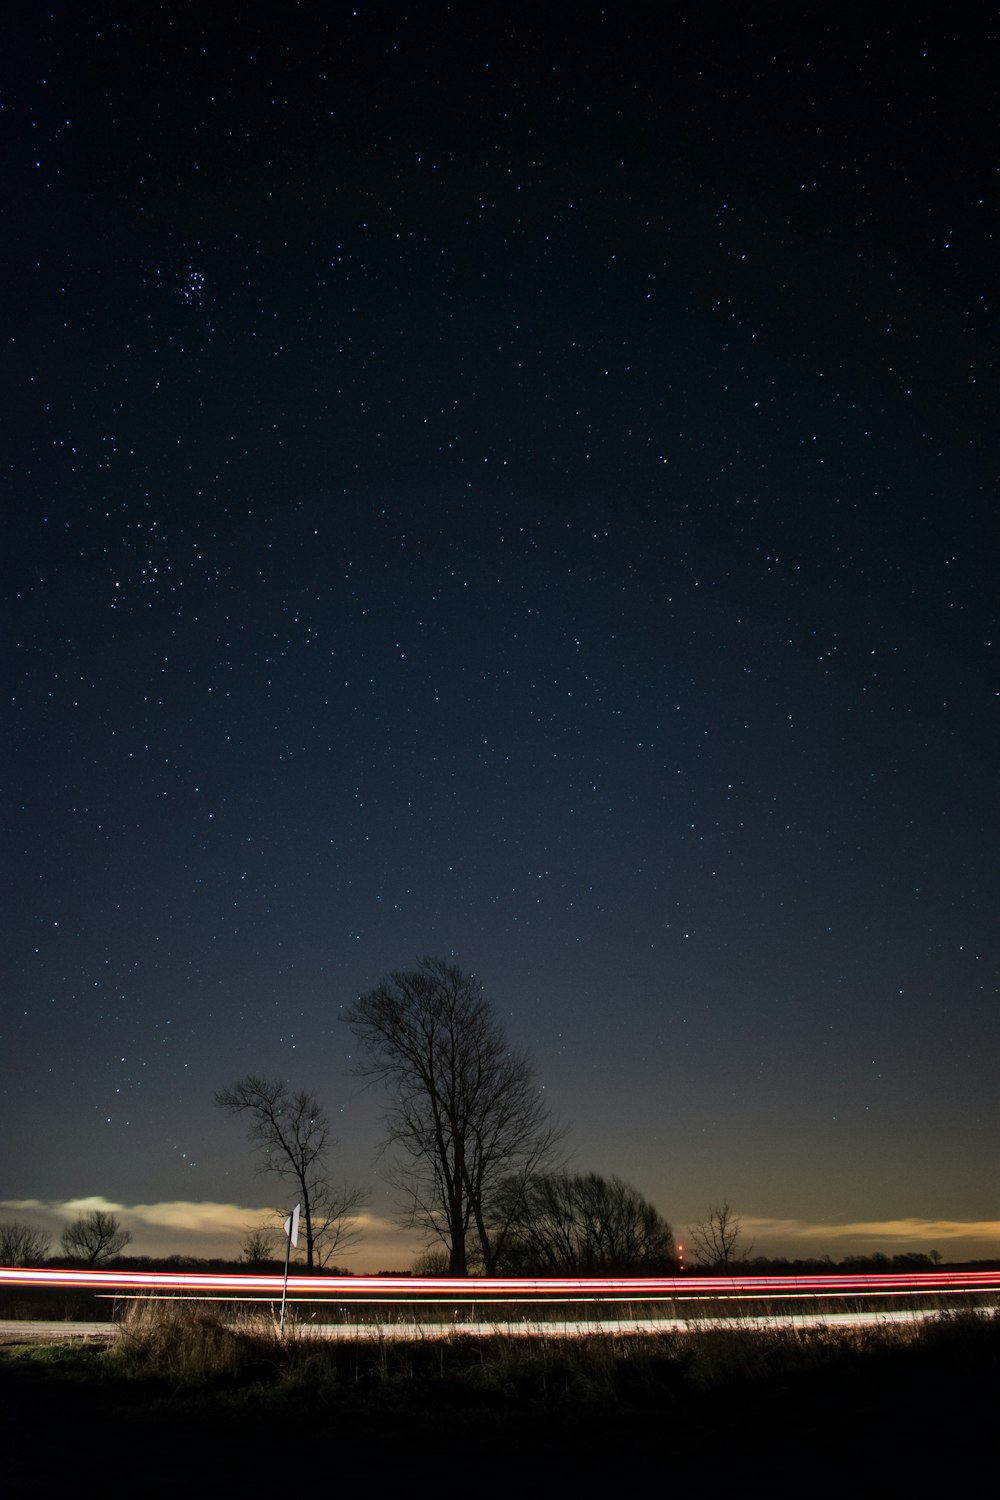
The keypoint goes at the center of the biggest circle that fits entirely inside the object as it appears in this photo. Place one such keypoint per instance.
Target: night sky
(515, 484)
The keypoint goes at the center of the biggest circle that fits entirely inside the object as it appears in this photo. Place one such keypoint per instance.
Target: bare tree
(95, 1237)
(434, 1261)
(465, 1113)
(258, 1245)
(585, 1226)
(717, 1238)
(22, 1244)
(292, 1134)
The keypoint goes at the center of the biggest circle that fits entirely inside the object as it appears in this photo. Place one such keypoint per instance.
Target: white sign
(292, 1225)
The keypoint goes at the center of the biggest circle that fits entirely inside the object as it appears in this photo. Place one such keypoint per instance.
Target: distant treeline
(874, 1265)
(760, 1265)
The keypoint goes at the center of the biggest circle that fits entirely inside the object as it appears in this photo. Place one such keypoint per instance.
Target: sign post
(292, 1236)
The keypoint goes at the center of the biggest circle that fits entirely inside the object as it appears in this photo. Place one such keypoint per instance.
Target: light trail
(508, 1289)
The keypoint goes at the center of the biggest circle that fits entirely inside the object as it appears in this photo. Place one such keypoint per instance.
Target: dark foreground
(790, 1417)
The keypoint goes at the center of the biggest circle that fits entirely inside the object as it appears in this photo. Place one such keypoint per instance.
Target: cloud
(198, 1218)
(982, 1235)
(194, 1228)
(193, 1218)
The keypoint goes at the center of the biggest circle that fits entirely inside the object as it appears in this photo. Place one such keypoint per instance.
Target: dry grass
(191, 1346)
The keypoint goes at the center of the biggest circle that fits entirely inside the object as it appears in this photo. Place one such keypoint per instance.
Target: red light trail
(507, 1289)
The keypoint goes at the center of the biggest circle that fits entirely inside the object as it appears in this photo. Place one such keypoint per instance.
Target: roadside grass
(208, 1354)
(75, 1358)
(188, 1348)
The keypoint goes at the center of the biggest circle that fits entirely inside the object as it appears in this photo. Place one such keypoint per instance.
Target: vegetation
(201, 1346)
(784, 1394)
(466, 1118)
(558, 1224)
(291, 1132)
(718, 1239)
(22, 1244)
(194, 1346)
(258, 1247)
(95, 1238)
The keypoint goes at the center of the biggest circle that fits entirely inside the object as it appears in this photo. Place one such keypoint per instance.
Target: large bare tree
(292, 1134)
(465, 1114)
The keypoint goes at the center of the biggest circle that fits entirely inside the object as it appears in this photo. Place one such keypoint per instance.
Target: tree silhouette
(22, 1244)
(465, 1113)
(95, 1237)
(717, 1238)
(292, 1134)
(583, 1225)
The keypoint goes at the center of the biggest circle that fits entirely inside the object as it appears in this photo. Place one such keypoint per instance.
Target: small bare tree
(258, 1245)
(22, 1244)
(433, 1261)
(292, 1133)
(95, 1237)
(717, 1238)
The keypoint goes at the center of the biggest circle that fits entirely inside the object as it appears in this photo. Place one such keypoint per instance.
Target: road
(512, 1306)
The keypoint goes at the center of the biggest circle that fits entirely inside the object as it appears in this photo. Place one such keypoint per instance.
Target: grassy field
(180, 1381)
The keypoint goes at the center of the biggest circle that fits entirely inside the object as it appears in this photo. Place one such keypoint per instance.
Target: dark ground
(895, 1416)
